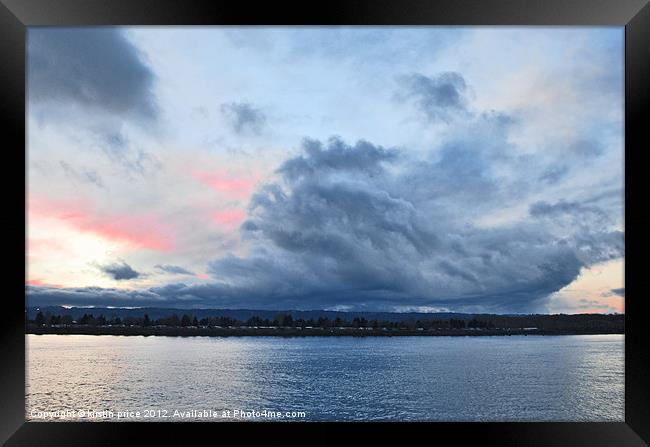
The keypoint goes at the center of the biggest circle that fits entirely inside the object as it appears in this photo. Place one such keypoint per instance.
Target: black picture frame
(16, 15)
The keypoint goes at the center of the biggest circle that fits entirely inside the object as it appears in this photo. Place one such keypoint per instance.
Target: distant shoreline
(294, 332)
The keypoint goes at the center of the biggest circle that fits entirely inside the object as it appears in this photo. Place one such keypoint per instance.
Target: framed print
(357, 218)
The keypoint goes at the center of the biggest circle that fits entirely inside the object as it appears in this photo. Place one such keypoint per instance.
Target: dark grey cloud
(84, 296)
(173, 269)
(93, 67)
(616, 292)
(119, 271)
(364, 237)
(97, 84)
(244, 118)
(438, 97)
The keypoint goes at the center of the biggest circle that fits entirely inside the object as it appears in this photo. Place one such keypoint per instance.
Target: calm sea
(516, 378)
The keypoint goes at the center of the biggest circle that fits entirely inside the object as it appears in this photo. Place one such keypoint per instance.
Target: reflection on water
(552, 378)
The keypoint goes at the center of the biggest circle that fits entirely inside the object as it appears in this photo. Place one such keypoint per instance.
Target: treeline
(561, 322)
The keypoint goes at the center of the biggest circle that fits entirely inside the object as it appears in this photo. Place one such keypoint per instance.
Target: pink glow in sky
(227, 184)
(230, 217)
(40, 245)
(142, 230)
(40, 282)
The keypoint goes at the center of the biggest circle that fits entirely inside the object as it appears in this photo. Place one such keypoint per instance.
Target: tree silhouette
(40, 319)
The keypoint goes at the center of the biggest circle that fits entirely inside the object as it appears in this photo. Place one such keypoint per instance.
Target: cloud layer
(96, 67)
(368, 227)
(173, 269)
(387, 169)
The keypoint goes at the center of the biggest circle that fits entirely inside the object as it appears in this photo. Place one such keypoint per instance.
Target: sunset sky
(420, 169)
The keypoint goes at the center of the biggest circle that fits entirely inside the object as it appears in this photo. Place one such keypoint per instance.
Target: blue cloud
(369, 227)
(244, 118)
(360, 224)
(173, 269)
(619, 291)
(439, 97)
(94, 67)
(119, 271)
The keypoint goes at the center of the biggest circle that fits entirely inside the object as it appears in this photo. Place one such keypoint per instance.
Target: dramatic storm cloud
(341, 228)
(480, 170)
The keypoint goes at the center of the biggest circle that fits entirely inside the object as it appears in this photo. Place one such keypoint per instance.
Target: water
(517, 378)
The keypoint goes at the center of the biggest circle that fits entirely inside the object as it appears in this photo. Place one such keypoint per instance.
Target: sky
(424, 169)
